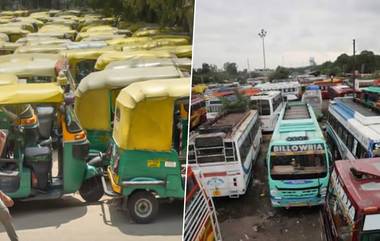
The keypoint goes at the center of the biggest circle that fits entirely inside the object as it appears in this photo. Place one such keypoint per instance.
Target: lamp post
(262, 35)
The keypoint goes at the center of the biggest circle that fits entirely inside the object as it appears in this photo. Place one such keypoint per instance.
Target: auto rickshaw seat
(39, 159)
(46, 119)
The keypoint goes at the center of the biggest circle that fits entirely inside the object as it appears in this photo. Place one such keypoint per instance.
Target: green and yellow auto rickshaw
(82, 61)
(32, 68)
(95, 98)
(148, 141)
(37, 121)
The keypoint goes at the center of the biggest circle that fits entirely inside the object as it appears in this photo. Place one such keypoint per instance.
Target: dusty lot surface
(72, 219)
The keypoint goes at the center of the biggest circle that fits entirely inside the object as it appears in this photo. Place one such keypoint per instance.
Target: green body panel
(74, 169)
(90, 172)
(25, 185)
(146, 165)
(99, 140)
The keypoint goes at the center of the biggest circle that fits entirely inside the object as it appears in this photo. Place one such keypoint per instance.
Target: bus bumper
(299, 202)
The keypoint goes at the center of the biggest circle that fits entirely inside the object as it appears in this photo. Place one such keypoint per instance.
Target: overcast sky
(227, 30)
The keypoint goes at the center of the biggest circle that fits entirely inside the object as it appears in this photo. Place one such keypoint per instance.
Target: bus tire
(92, 189)
(142, 207)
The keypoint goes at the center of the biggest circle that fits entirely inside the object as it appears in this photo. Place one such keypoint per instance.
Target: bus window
(245, 147)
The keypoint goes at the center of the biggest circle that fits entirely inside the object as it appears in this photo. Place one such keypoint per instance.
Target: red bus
(200, 223)
(352, 208)
(340, 91)
(325, 84)
(198, 111)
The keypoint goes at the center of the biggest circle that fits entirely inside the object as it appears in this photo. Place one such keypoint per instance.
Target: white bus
(290, 90)
(224, 151)
(353, 130)
(214, 106)
(269, 105)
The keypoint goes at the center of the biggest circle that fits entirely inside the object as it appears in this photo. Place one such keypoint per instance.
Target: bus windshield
(298, 166)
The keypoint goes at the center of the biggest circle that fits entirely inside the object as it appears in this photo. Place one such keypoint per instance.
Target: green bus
(298, 159)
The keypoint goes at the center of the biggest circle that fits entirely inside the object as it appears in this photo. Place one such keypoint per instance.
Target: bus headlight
(273, 192)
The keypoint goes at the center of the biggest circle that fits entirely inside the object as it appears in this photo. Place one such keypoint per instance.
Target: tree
(238, 104)
(230, 69)
(280, 73)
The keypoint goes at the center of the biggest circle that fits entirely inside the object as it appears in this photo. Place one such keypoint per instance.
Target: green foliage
(280, 73)
(239, 105)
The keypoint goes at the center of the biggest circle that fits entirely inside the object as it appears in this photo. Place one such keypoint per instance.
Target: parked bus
(214, 106)
(201, 222)
(352, 208)
(290, 90)
(198, 111)
(298, 159)
(224, 150)
(325, 84)
(352, 129)
(269, 105)
(340, 91)
(313, 97)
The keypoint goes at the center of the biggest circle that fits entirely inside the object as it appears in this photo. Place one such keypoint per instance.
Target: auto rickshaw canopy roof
(138, 62)
(8, 79)
(131, 40)
(101, 88)
(30, 94)
(47, 48)
(144, 114)
(24, 65)
(106, 58)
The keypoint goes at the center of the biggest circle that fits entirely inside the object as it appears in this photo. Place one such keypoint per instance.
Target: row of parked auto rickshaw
(88, 107)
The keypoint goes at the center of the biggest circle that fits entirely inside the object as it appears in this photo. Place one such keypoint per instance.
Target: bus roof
(278, 85)
(266, 94)
(297, 119)
(228, 123)
(365, 192)
(358, 118)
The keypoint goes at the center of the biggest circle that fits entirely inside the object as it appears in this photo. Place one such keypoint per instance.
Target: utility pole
(354, 64)
(262, 35)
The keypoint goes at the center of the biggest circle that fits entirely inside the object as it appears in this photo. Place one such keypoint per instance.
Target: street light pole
(262, 35)
(354, 64)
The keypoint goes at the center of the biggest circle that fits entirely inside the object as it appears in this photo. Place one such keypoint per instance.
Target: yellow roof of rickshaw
(137, 92)
(55, 28)
(13, 30)
(74, 55)
(83, 35)
(97, 28)
(144, 114)
(131, 40)
(48, 48)
(29, 64)
(30, 93)
(119, 78)
(149, 62)
(28, 26)
(7, 79)
(182, 51)
(106, 58)
(8, 46)
(146, 32)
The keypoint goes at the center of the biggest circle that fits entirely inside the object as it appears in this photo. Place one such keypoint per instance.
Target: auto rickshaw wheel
(143, 207)
(92, 189)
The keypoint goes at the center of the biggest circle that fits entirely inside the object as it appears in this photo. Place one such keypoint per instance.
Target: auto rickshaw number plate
(154, 163)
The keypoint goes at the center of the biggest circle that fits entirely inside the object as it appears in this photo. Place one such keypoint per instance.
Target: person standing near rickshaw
(5, 216)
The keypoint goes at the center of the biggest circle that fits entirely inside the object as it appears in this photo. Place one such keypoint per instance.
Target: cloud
(227, 30)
